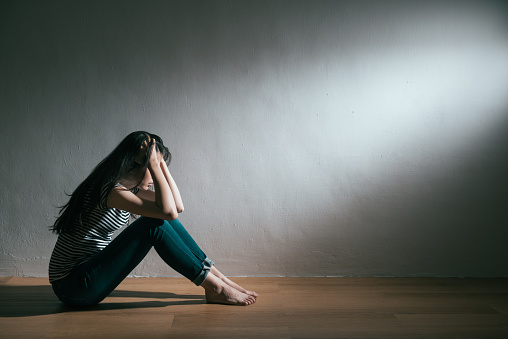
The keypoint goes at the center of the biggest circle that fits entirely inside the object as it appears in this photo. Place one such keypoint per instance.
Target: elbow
(171, 215)
(168, 212)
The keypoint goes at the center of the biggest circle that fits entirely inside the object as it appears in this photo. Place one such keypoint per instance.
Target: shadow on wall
(454, 225)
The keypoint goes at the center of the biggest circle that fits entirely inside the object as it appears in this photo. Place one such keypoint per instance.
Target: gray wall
(310, 138)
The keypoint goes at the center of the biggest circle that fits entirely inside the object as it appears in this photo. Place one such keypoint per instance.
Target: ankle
(212, 284)
(217, 273)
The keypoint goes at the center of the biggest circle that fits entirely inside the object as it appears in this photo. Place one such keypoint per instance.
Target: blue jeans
(91, 282)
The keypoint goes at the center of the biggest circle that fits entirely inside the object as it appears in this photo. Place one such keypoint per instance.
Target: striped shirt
(75, 248)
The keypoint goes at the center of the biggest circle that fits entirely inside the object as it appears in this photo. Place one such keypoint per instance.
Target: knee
(145, 227)
(159, 227)
(175, 223)
(148, 222)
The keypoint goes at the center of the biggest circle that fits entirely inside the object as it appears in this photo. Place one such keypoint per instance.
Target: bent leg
(186, 238)
(193, 246)
(98, 277)
(190, 261)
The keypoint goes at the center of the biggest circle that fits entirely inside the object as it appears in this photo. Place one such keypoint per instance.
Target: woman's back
(86, 239)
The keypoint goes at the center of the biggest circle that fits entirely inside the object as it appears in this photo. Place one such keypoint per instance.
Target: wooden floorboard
(287, 308)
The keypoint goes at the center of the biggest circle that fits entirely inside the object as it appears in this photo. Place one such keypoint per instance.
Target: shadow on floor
(27, 301)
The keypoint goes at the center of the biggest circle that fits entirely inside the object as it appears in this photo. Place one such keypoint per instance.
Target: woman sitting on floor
(86, 265)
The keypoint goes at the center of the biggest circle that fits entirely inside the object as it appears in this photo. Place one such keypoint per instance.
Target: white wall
(310, 138)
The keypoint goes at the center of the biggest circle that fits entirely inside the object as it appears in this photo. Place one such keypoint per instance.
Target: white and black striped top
(88, 239)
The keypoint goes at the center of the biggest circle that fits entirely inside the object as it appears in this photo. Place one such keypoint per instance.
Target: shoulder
(106, 192)
(120, 187)
(118, 191)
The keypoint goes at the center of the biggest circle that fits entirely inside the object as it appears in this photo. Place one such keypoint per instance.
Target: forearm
(163, 194)
(174, 188)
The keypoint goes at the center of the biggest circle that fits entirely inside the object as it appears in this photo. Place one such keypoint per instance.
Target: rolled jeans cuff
(207, 265)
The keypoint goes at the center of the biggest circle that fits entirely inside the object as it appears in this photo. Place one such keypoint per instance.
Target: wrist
(153, 164)
(154, 170)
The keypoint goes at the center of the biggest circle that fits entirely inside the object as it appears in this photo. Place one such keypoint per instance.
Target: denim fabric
(92, 281)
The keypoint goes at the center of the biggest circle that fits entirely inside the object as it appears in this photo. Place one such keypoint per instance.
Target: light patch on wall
(438, 93)
(389, 143)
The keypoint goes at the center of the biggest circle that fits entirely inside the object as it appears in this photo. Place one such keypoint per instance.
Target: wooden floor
(287, 308)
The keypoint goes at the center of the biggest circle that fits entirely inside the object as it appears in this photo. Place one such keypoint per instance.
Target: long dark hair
(119, 165)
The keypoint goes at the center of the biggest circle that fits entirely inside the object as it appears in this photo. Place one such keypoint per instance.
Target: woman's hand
(155, 157)
(143, 151)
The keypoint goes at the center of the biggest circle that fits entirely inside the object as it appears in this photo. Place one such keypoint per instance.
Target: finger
(153, 150)
(146, 142)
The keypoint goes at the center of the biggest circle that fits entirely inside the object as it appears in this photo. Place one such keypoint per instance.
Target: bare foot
(229, 296)
(231, 283)
(218, 292)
